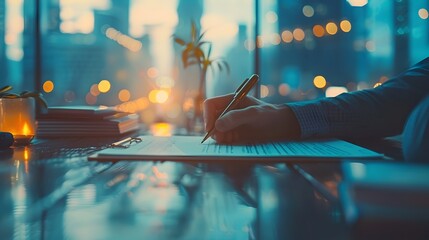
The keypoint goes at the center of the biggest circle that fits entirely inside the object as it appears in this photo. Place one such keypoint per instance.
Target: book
(79, 111)
(85, 121)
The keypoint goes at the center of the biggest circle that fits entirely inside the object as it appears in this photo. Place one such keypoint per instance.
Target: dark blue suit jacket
(377, 112)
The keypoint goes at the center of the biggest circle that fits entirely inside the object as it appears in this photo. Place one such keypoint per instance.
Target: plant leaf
(5, 89)
(193, 31)
(180, 41)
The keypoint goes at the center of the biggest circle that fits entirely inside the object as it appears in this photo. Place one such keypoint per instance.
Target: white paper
(190, 148)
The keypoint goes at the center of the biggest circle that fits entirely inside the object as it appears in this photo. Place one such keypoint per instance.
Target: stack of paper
(85, 121)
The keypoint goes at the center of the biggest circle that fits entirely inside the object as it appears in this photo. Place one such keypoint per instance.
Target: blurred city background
(121, 52)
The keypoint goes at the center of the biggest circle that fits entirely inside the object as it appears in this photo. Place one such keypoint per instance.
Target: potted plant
(17, 113)
(198, 52)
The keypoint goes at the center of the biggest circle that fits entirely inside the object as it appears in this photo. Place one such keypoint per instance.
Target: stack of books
(76, 121)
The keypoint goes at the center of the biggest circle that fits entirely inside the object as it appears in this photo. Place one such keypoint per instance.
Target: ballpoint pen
(240, 93)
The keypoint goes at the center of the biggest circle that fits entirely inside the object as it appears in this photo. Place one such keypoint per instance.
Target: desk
(49, 190)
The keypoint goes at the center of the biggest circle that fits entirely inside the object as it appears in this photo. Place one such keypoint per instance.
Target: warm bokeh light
(158, 96)
(90, 99)
(298, 34)
(284, 89)
(271, 17)
(134, 105)
(124, 95)
(318, 31)
(345, 26)
(331, 28)
(104, 86)
(265, 91)
(308, 11)
(357, 3)
(152, 72)
(275, 39)
(287, 36)
(260, 42)
(48, 86)
(94, 90)
(161, 129)
(423, 13)
(377, 84)
(335, 91)
(123, 39)
(319, 81)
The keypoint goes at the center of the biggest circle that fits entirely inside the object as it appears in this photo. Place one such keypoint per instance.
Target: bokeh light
(335, 91)
(124, 95)
(284, 89)
(48, 86)
(104, 86)
(271, 17)
(90, 99)
(318, 31)
(298, 34)
(345, 26)
(287, 36)
(331, 28)
(265, 91)
(158, 96)
(152, 72)
(423, 13)
(319, 81)
(308, 11)
(94, 90)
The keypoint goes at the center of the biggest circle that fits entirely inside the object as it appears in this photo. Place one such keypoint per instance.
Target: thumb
(233, 119)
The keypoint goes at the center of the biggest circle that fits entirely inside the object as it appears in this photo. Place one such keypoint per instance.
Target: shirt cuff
(312, 120)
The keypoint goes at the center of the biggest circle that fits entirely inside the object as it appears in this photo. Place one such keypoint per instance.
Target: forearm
(376, 112)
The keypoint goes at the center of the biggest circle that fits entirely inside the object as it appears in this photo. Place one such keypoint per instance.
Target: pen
(240, 93)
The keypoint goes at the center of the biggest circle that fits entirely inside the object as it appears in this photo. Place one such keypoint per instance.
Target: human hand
(251, 121)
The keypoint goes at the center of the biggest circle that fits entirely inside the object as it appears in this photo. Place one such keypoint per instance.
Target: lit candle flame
(26, 130)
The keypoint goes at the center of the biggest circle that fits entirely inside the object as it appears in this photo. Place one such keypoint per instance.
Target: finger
(235, 118)
(213, 107)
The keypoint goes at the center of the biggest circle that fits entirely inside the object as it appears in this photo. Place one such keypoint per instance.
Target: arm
(377, 112)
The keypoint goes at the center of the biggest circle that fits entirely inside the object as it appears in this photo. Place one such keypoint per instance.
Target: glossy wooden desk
(49, 190)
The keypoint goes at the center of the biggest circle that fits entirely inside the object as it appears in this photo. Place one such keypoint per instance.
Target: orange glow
(287, 36)
(94, 90)
(161, 129)
(158, 174)
(284, 89)
(423, 13)
(90, 99)
(265, 91)
(318, 31)
(319, 82)
(152, 72)
(345, 26)
(124, 95)
(158, 96)
(26, 154)
(104, 86)
(275, 39)
(298, 34)
(26, 131)
(331, 28)
(377, 84)
(48, 86)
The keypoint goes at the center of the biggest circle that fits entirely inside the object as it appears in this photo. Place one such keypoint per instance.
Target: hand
(251, 121)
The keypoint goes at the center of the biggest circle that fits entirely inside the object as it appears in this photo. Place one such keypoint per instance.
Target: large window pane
(312, 49)
(121, 52)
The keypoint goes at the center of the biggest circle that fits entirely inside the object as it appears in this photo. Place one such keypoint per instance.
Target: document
(189, 148)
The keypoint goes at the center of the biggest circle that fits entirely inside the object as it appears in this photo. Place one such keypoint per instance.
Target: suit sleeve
(378, 112)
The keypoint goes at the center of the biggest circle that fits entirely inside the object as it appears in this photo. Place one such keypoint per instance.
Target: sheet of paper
(190, 148)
